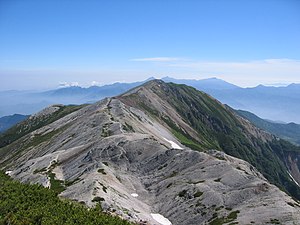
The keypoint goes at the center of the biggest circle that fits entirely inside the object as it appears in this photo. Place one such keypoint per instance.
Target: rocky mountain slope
(158, 154)
(200, 122)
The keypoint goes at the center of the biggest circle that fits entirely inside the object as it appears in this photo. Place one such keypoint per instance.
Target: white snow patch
(134, 195)
(161, 219)
(293, 179)
(8, 172)
(173, 144)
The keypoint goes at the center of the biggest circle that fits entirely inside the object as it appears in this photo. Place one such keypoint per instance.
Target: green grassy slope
(33, 204)
(289, 132)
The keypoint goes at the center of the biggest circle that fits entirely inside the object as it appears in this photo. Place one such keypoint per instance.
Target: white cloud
(157, 59)
(68, 84)
(96, 83)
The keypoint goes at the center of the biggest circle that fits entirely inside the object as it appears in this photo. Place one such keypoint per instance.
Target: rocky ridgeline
(124, 158)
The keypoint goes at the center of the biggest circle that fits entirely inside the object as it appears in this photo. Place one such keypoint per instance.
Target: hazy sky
(45, 43)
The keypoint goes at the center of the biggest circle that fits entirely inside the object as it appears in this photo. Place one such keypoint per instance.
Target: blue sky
(44, 43)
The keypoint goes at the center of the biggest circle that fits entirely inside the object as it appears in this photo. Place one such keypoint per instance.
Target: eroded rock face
(118, 155)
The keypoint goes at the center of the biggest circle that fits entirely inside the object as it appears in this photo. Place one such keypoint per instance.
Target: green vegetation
(40, 170)
(215, 220)
(274, 221)
(32, 124)
(173, 174)
(104, 188)
(233, 215)
(169, 185)
(151, 111)
(106, 132)
(98, 199)
(197, 182)
(183, 137)
(38, 139)
(189, 142)
(33, 204)
(163, 166)
(17, 148)
(71, 182)
(56, 185)
(219, 208)
(289, 132)
(182, 193)
(128, 127)
(105, 163)
(198, 194)
(101, 171)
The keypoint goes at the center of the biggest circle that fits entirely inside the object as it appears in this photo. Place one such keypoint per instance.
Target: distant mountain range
(28, 102)
(205, 85)
(94, 92)
(272, 103)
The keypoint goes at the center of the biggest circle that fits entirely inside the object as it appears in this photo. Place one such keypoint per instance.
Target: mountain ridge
(219, 122)
(130, 153)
